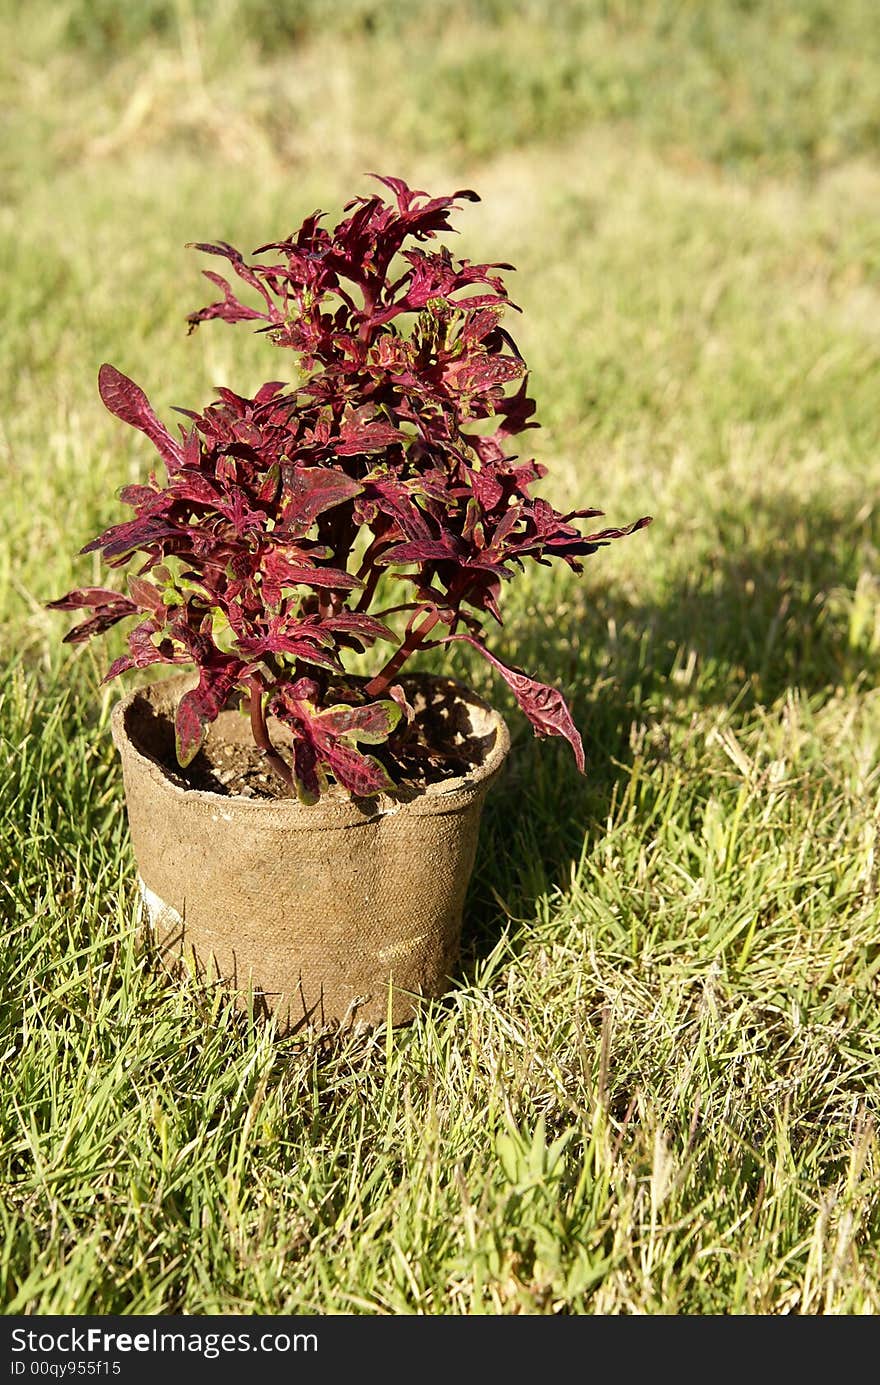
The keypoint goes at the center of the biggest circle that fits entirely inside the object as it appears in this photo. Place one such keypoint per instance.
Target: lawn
(653, 1088)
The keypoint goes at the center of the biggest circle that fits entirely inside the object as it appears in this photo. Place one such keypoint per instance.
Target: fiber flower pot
(338, 913)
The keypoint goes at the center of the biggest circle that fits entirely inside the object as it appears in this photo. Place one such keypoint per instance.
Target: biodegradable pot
(343, 912)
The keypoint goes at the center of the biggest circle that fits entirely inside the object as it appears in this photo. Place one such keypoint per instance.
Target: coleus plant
(257, 556)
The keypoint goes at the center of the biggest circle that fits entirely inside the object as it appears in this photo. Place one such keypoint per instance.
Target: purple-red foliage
(256, 558)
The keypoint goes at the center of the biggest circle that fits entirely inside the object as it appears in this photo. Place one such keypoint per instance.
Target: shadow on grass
(790, 603)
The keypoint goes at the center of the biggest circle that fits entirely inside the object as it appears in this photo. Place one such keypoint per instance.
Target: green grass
(654, 1086)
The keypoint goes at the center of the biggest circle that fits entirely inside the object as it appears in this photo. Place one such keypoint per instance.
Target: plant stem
(369, 570)
(366, 328)
(261, 737)
(378, 684)
(369, 590)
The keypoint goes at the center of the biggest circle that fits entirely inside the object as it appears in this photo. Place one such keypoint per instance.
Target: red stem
(261, 737)
(368, 289)
(369, 570)
(377, 685)
(369, 590)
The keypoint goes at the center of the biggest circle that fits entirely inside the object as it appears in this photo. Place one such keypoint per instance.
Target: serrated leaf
(371, 724)
(308, 778)
(189, 731)
(202, 705)
(362, 775)
(309, 491)
(544, 706)
(146, 594)
(88, 596)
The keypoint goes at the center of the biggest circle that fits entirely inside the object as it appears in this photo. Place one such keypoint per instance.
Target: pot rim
(447, 796)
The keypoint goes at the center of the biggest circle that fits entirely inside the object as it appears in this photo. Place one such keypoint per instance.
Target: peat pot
(343, 912)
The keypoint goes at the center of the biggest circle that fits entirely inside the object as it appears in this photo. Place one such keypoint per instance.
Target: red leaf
(475, 375)
(427, 551)
(544, 706)
(365, 629)
(202, 705)
(309, 491)
(244, 271)
(109, 608)
(96, 626)
(127, 401)
(363, 434)
(147, 596)
(487, 488)
(372, 723)
(306, 642)
(142, 649)
(361, 774)
(229, 309)
(121, 665)
(308, 776)
(279, 570)
(145, 499)
(189, 731)
(135, 533)
(89, 596)
(604, 534)
(268, 391)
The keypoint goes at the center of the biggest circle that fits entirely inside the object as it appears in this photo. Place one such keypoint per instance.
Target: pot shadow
(790, 603)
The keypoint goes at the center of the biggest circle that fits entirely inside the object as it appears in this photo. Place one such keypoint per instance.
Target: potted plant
(302, 826)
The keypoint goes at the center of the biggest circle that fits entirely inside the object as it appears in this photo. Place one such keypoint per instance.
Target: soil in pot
(438, 745)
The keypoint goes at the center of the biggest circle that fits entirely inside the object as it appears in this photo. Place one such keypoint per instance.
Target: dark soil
(238, 771)
(437, 745)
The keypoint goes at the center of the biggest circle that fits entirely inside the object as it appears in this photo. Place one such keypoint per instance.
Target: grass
(653, 1087)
